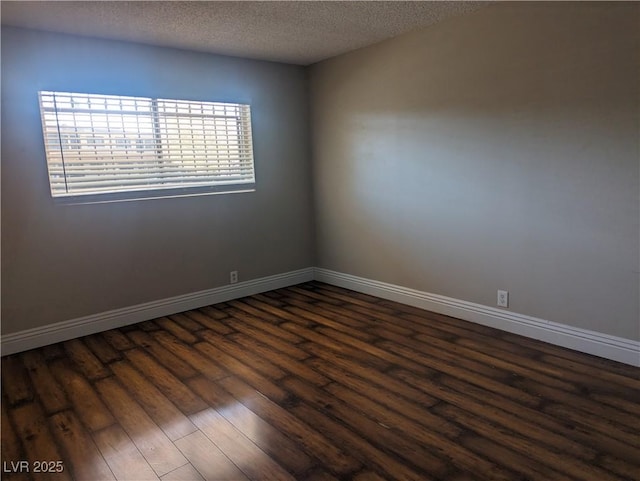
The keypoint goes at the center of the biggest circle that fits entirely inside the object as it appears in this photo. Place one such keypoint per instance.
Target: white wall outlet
(503, 298)
(233, 277)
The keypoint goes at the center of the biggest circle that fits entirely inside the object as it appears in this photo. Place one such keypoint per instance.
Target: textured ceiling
(299, 32)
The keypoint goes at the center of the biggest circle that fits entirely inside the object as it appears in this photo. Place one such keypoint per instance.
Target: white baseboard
(583, 340)
(83, 326)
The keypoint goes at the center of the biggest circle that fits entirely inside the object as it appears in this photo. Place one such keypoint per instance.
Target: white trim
(591, 342)
(83, 326)
(583, 340)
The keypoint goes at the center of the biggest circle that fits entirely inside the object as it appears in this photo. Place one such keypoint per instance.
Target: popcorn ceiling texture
(297, 32)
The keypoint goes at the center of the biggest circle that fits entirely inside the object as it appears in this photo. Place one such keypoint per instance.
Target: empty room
(320, 241)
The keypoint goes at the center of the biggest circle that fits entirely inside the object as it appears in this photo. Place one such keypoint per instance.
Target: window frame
(240, 154)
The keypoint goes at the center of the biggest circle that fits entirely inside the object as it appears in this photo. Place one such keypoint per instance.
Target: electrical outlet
(233, 277)
(503, 298)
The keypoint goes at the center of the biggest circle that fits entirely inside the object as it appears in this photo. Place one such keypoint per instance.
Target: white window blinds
(99, 144)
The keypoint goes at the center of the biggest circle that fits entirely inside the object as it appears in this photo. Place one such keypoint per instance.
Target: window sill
(110, 197)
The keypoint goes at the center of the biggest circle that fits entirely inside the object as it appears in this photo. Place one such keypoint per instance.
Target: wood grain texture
(154, 445)
(123, 457)
(318, 383)
(85, 461)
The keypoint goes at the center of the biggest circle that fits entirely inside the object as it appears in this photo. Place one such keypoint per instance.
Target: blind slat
(101, 143)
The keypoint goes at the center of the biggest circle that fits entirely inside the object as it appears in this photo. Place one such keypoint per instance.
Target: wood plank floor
(316, 383)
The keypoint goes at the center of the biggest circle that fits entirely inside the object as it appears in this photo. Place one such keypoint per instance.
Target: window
(138, 147)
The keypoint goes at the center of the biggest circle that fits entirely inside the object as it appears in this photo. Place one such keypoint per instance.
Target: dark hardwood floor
(317, 383)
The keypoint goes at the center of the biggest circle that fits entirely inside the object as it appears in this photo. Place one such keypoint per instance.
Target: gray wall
(60, 262)
(495, 150)
(498, 150)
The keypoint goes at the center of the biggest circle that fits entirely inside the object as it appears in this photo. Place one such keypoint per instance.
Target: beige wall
(60, 262)
(498, 150)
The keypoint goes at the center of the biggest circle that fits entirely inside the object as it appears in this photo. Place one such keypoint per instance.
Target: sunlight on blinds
(102, 143)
